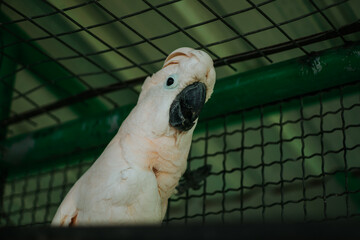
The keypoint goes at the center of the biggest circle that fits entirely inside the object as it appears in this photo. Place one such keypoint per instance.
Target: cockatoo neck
(162, 144)
(165, 155)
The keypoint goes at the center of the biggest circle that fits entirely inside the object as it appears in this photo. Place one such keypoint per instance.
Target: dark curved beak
(187, 106)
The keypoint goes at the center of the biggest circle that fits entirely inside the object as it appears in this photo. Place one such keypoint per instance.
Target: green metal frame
(6, 87)
(57, 79)
(7, 79)
(286, 79)
(88, 136)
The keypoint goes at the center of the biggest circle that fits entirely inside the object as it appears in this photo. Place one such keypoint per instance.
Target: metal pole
(6, 86)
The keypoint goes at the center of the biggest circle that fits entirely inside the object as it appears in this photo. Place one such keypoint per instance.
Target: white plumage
(131, 181)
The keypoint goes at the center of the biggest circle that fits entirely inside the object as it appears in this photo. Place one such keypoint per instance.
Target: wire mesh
(81, 48)
(294, 160)
(279, 165)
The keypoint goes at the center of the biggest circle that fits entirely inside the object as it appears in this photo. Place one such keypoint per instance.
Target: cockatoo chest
(127, 196)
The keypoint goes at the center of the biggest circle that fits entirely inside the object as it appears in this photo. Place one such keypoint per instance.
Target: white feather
(131, 181)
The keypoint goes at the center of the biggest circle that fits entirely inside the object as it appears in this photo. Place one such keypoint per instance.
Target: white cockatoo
(132, 180)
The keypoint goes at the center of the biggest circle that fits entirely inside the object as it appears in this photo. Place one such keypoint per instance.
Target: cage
(279, 141)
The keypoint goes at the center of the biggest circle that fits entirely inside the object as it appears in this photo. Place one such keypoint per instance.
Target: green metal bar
(6, 83)
(286, 79)
(268, 84)
(49, 71)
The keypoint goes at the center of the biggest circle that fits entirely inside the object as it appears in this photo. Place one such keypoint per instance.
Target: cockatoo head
(175, 95)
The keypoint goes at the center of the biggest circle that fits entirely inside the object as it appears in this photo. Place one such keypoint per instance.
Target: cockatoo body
(132, 180)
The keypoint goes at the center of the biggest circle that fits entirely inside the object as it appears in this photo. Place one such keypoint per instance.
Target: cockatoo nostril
(187, 106)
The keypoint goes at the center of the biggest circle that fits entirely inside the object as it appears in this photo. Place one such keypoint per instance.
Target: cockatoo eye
(171, 81)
